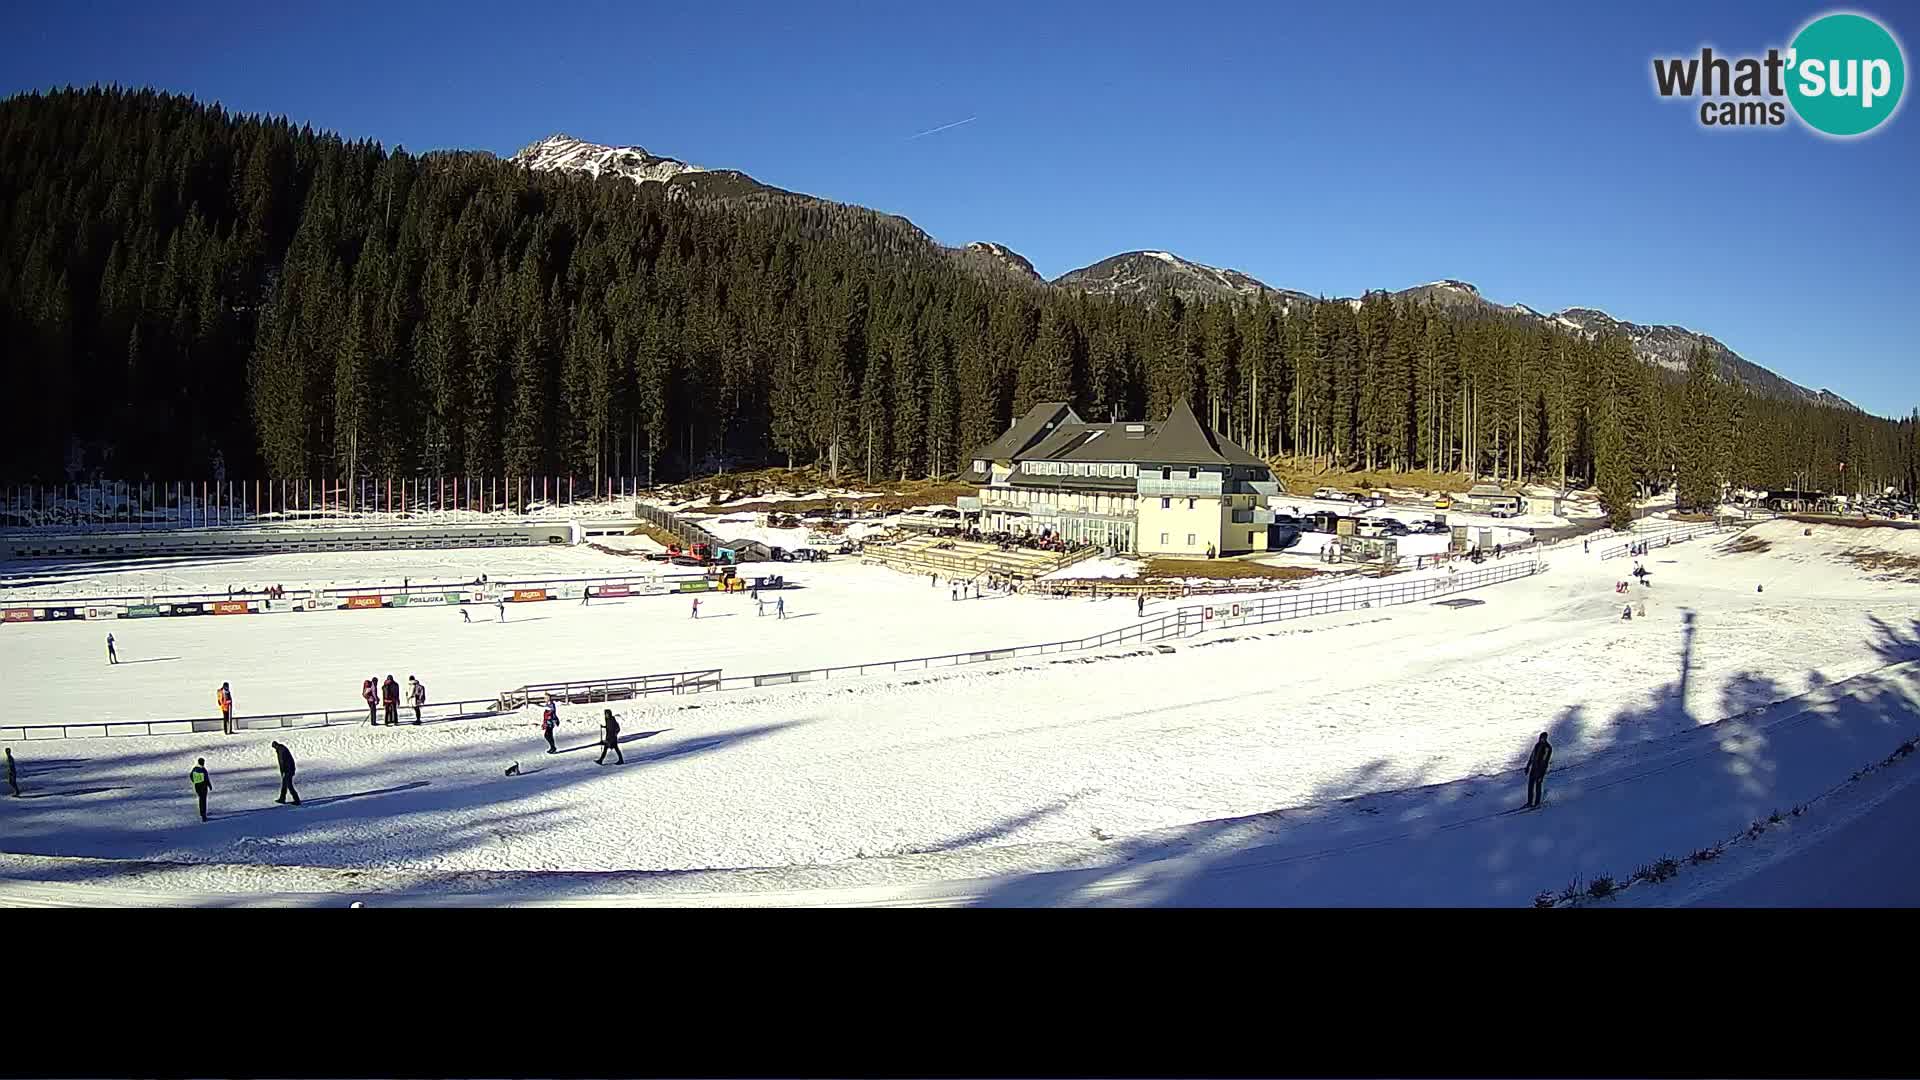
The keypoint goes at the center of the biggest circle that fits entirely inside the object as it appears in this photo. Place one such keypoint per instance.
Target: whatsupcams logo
(1842, 76)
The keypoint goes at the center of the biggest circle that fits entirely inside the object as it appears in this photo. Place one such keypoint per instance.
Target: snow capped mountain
(564, 153)
(1147, 273)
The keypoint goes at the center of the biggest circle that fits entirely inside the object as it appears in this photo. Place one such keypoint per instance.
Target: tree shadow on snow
(1460, 842)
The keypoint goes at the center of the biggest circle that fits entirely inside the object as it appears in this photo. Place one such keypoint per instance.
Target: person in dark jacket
(13, 780)
(550, 719)
(285, 756)
(202, 783)
(390, 697)
(1537, 770)
(610, 740)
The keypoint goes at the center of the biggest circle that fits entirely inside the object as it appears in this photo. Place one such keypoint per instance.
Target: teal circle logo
(1845, 74)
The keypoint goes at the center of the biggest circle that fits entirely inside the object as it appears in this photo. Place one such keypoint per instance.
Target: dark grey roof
(1184, 440)
(1029, 429)
(1051, 432)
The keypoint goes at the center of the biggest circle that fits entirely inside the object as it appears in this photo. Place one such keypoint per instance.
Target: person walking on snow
(501, 606)
(417, 697)
(759, 607)
(285, 758)
(696, 607)
(465, 617)
(780, 608)
(112, 657)
(13, 780)
(610, 740)
(372, 697)
(1537, 770)
(202, 783)
(1140, 606)
(223, 697)
(550, 719)
(390, 697)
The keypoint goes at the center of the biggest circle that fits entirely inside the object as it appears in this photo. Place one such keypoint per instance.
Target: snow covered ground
(839, 612)
(1342, 750)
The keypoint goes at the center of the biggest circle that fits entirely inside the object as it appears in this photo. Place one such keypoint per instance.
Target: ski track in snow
(902, 776)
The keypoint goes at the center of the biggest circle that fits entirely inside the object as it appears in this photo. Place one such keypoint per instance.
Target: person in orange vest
(224, 698)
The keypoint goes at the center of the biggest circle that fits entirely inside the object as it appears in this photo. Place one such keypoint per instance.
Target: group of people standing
(377, 694)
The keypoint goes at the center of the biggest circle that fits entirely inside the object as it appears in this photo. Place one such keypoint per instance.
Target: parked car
(1443, 503)
(1395, 527)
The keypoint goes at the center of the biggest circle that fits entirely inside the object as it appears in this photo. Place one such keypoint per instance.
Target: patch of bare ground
(1748, 544)
(1886, 565)
(1853, 522)
(754, 487)
(1222, 570)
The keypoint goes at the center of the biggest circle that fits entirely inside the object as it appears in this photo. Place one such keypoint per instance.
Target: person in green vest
(202, 784)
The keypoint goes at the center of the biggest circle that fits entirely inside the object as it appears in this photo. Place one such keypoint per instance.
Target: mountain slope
(1662, 346)
(1144, 274)
(1667, 347)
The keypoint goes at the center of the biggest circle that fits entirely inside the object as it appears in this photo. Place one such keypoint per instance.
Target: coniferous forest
(186, 292)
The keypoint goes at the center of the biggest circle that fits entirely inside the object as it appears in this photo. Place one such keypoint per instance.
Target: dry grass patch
(1302, 475)
(1748, 544)
(754, 487)
(1222, 570)
(655, 534)
(1897, 567)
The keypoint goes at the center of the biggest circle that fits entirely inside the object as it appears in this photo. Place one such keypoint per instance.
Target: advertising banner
(653, 588)
(418, 599)
(230, 607)
(363, 601)
(143, 611)
(182, 609)
(694, 586)
(521, 596)
(63, 613)
(17, 614)
(607, 590)
(103, 613)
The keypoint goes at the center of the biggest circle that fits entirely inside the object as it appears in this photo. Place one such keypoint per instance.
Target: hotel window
(1190, 540)
(1166, 474)
(1163, 538)
(1166, 503)
(1193, 474)
(1189, 504)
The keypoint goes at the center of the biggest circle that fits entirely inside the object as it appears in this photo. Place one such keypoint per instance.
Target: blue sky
(1330, 149)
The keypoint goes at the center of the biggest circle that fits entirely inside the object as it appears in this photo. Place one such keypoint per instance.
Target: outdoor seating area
(962, 558)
